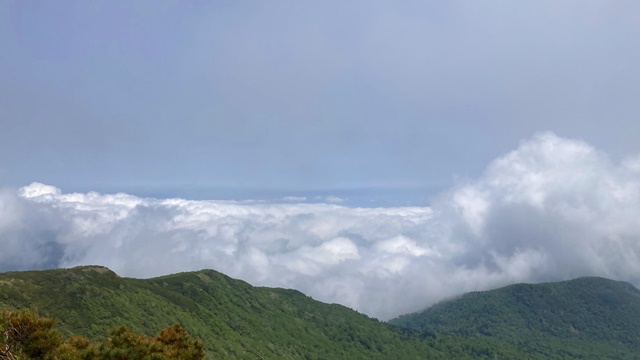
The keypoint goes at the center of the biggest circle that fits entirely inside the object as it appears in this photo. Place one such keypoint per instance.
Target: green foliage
(589, 318)
(26, 335)
(583, 318)
(233, 319)
(172, 343)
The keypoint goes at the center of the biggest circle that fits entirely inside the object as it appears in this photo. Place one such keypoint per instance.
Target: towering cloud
(552, 209)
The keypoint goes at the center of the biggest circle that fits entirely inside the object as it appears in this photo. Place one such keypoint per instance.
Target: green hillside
(233, 318)
(587, 318)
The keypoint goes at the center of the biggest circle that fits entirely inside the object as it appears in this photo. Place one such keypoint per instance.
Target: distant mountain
(587, 318)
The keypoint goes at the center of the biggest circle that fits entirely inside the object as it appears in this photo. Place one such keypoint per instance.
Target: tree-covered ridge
(583, 318)
(235, 320)
(231, 317)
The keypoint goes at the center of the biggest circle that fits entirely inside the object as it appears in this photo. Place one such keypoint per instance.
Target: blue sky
(160, 97)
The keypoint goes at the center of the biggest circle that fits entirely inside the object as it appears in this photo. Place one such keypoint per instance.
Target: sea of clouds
(553, 209)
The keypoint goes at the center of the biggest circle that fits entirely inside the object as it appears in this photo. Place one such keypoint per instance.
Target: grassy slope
(233, 318)
(588, 318)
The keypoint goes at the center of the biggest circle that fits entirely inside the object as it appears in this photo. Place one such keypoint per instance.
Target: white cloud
(333, 199)
(552, 209)
(37, 189)
(334, 251)
(402, 245)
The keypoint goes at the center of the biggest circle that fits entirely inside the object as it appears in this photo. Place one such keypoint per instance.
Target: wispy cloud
(552, 209)
(333, 199)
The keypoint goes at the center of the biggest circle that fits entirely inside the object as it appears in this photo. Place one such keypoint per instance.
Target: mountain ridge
(233, 318)
(587, 312)
(584, 318)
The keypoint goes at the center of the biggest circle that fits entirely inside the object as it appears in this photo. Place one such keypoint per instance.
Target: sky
(351, 150)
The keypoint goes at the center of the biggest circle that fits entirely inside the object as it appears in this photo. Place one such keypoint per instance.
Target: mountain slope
(588, 318)
(583, 318)
(233, 318)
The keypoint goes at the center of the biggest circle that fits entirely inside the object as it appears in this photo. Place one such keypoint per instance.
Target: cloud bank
(552, 209)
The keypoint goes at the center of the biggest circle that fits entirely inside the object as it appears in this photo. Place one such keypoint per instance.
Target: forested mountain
(233, 318)
(588, 318)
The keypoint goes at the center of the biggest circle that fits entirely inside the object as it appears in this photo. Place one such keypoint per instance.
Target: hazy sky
(157, 137)
(119, 95)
